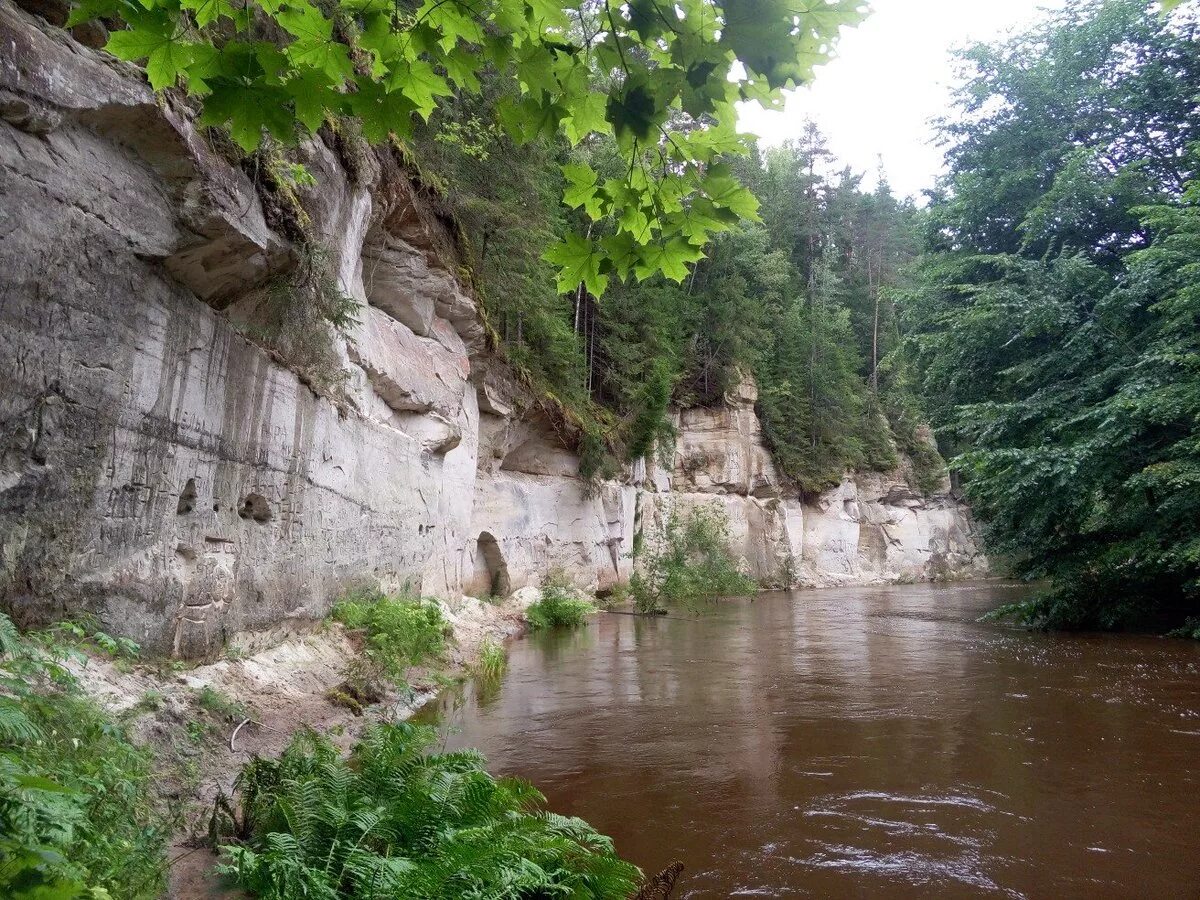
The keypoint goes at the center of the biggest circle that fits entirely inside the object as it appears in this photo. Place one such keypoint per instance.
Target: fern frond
(10, 638)
(14, 724)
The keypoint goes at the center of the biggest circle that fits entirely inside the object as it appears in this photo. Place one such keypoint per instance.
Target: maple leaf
(381, 111)
(248, 111)
(669, 257)
(420, 84)
(587, 116)
(578, 261)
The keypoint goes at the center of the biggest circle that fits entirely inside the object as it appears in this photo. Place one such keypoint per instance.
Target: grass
(559, 606)
(77, 818)
(493, 661)
(220, 705)
(394, 820)
(150, 701)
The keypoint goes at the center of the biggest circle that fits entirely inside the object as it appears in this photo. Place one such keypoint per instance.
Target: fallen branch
(233, 737)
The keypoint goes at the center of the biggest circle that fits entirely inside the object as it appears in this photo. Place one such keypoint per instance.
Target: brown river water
(865, 742)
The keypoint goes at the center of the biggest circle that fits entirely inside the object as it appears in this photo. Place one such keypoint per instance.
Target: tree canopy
(1055, 317)
(662, 79)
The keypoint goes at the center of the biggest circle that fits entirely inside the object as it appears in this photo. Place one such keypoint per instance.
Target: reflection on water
(861, 742)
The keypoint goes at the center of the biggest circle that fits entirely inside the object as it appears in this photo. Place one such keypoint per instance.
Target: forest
(1026, 334)
(1038, 308)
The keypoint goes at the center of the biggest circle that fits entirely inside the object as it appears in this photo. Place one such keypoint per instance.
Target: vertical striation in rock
(162, 468)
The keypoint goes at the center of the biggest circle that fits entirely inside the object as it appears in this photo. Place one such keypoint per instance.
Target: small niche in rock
(187, 499)
(256, 507)
(490, 565)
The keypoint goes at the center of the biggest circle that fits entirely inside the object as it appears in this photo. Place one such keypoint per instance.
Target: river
(865, 742)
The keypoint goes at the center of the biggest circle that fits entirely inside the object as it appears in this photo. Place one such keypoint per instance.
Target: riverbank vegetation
(560, 606)
(77, 814)
(688, 564)
(1055, 315)
(492, 663)
(394, 820)
(398, 633)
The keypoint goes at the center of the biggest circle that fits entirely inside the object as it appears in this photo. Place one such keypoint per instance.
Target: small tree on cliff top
(661, 78)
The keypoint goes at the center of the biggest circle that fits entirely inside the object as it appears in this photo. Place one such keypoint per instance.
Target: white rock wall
(870, 529)
(161, 469)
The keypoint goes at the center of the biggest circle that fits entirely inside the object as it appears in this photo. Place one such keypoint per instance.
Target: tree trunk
(873, 288)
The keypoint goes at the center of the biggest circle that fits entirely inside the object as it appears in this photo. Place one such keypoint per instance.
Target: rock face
(161, 468)
(870, 529)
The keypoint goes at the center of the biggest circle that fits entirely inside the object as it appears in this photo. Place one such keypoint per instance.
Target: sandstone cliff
(873, 528)
(165, 467)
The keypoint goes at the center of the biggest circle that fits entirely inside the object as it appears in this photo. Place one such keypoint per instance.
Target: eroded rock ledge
(160, 468)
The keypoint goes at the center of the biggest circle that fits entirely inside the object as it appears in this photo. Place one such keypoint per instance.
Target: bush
(395, 821)
(559, 607)
(689, 564)
(401, 632)
(76, 814)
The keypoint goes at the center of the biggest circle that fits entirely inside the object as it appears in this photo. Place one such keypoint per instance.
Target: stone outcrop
(872, 528)
(163, 467)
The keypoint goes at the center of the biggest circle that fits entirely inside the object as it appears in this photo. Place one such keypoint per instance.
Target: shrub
(401, 632)
(690, 563)
(1189, 629)
(76, 815)
(559, 606)
(396, 821)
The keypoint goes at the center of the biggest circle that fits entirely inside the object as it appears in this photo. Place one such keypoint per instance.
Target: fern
(76, 818)
(401, 632)
(396, 821)
(15, 726)
(10, 638)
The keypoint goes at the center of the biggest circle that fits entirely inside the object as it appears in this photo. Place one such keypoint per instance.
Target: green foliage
(149, 701)
(84, 633)
(661, 80)
(689, 564)
(804, 303)
(560, 605)
(615, 365)
(825, 313)
(493, 661)
(396, 821)
(1056, 317)
(220, 705)
(401, 632)
(1189, 629)
(76, 816)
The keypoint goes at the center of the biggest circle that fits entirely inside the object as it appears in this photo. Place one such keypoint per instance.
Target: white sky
(892, 76)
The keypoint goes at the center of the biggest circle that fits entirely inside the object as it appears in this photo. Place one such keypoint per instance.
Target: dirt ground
(190, 715)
